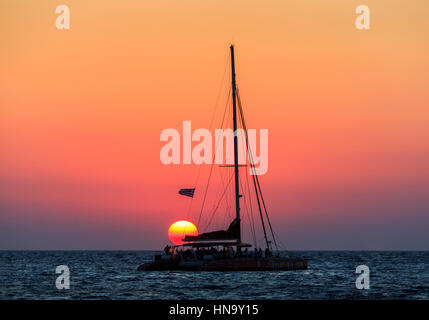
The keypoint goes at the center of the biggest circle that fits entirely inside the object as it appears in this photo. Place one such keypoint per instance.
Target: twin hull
(237, 264)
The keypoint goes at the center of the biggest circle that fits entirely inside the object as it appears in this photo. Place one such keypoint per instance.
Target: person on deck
(167, 250)
(267, 253)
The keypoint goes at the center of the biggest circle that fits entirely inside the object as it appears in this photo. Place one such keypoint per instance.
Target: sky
(81, 112)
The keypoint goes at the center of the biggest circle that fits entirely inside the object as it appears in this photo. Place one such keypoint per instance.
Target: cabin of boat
(220, 256)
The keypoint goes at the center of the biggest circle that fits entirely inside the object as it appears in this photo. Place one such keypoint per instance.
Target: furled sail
(233, 233)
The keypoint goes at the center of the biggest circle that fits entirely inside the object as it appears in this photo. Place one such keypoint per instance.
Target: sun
(180, 229)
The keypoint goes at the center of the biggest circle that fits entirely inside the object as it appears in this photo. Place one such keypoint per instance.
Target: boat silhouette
(223, 250)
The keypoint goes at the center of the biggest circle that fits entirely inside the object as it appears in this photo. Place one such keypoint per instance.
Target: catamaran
(223, 250)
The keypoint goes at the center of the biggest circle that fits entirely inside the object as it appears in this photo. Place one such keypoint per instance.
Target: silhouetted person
(246, 252)
(267, 253)
(167, 250)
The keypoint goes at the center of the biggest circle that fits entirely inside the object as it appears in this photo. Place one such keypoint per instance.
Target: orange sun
(180, 229)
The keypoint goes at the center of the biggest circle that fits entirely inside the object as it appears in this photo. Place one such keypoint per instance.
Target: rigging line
(259, 204)
(260, 213)
(253, 170)
(211, 122)
(245, 219)
(252, 166)
(249, 210)
(213, 157)
(249, 200)
(252, 221)
(220, 189)
(282, 245)
(230, 199)
(211, 218)
(220, 90)
(224, 193)
(255, 177)
(226, 198)
(266, 212)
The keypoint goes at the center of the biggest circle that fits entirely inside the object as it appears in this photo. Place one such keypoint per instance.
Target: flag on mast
(187, 192)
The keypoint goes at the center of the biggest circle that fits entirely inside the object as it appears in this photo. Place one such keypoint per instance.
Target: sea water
(114, 275)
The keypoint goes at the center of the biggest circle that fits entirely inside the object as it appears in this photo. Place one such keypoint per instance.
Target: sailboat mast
(234, 116)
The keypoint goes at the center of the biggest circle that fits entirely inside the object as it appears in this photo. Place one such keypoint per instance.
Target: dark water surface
(114, 275)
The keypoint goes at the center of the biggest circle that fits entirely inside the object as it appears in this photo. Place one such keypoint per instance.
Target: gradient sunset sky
(81, 112)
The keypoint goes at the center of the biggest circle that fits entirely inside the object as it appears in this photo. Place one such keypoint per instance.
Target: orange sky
(81, 112)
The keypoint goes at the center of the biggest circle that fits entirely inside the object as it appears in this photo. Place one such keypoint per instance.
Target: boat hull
(238, 264)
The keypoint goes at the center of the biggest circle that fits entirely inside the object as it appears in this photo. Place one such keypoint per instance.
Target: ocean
(114, 275)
